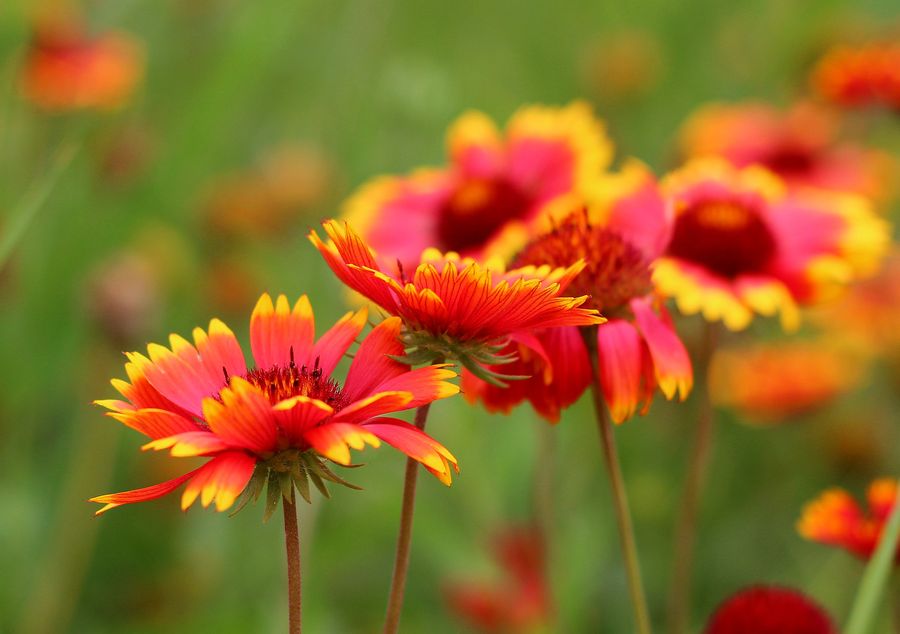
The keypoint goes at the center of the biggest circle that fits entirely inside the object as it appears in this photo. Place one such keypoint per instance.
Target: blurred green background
(364, 88)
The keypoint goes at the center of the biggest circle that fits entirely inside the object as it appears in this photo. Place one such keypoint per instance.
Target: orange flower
(64, 69)
(742, 243)
(277, 421)
(835, 519)
(777, 381)
(799, 144)
(867, 75)
(638, 348)
(522, 601)
(452, 307)
(495, 181)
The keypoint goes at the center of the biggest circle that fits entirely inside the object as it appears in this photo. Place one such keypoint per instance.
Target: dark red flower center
(726, 237)
(283, 382)
(790, 160)
(769, 610)
(616, 270)
(476, 210)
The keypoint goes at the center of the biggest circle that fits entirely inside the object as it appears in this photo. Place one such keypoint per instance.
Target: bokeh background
(253, 121)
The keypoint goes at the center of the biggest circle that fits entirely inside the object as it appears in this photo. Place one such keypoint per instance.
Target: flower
(834, 518)
(454, 307)
(781, 380)
(769, 610)
(276, 421)
(494, 181)
(638, 348)
(799, 144)
(65, 69)
(867, 75)
(742, 243)
(521, 601)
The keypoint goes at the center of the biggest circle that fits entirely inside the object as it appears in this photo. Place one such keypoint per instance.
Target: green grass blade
(26, 210)
(875, 577)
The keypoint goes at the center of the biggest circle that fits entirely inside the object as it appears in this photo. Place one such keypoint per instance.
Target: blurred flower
(65, 69)
(770, 610)
(835, 519)
(867, 75)
(455, 308)
(856, 445)
(623, 65)
(231, 282)
(772, 382)
(799, 144)
(275, 422)
(868, 314)
(742, 243)
(266, 201)
(521, 601)
(638, 347)
(494, 181)
(124, 297)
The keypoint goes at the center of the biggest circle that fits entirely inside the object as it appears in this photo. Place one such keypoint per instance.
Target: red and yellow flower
(743, 243)
(835, 519)
(858, 76)
(776, 381)
(521, 602)
(799, 144)
(638, 348)
(494, 180)
(454, 307)
(770, 610)
(65, 69)
(279, 419)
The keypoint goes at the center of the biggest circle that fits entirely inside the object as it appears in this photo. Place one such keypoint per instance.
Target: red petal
(276, 331)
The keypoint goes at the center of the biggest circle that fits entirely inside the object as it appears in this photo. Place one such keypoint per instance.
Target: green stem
(620, 497)
(876, 576)
(26, 210)
(404, 535)
(292, 550)
(686, 530)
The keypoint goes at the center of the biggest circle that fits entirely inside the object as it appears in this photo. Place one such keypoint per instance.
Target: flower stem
(620, 497)
(876, 576)
(686, 529)
(404, 535)
(292, 548)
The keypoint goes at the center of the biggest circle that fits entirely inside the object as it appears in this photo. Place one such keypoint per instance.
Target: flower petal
(375, 405)
(424, 384)
(372, 364)
(278, 334)
(155, 423)
(189, 444)
(335, 439)
(298, 414)
(416, 444)
(112, 500)
(334, 344)
(221, 480)
(671, 363)
(243, 418)
(620, 353)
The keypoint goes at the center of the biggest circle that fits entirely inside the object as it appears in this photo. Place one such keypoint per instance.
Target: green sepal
(298, 474)
(273, 494)
(252, 490)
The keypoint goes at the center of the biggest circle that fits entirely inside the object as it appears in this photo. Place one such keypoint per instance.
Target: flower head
(742, 243)
(521, 601)
(799, 144)
(834, 518)
(777, 381)
(453, 307)
(638, 348)
(276, 421)
(65, 69)
(494, 181)
(860, 76)
(769, 610)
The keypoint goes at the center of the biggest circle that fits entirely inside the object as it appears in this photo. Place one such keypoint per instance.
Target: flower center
(283, 382)
(616, 270)
(791, 160)
(476, 210)
(727, 237)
